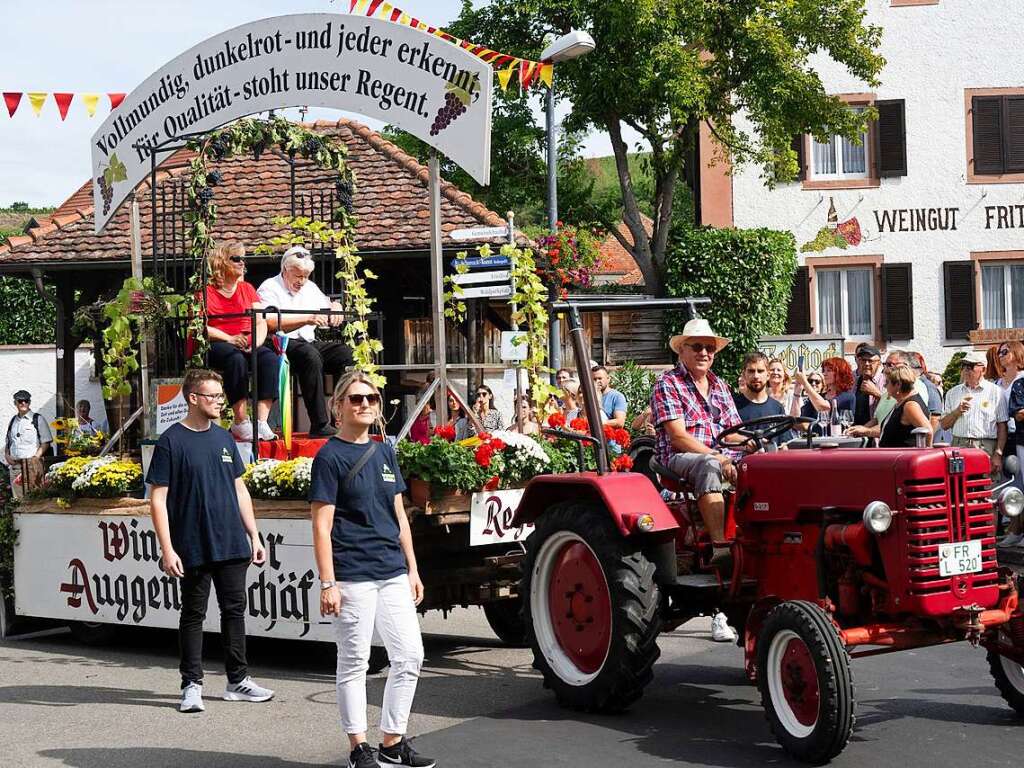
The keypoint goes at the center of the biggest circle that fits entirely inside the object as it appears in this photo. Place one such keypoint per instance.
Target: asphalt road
(479, 704)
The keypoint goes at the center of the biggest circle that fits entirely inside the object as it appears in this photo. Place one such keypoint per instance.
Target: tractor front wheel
(506, 620)
(1009, 677)
(591, 609)
(805, 681)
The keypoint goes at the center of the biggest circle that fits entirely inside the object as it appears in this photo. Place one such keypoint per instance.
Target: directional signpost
(479, 233)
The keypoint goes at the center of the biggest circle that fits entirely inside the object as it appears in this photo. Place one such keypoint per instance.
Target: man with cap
(975, 411)
(310, 358)
(870, 385)
(28, 440)
(690, 407)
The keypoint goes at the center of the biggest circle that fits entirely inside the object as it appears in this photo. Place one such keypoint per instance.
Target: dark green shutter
(987, 117)
(897, 302)
(961, 318)
(1014, 134)
(801, 159)
(798, 316)
(891, 138)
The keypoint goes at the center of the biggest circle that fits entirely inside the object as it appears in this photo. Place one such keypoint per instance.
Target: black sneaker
(402, 753)
(362, 757)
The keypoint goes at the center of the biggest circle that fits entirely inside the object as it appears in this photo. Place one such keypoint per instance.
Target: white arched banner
(416, 81)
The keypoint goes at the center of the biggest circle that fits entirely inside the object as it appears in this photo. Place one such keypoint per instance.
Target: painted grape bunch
(455, 102)
(113, 173)
(107, 192)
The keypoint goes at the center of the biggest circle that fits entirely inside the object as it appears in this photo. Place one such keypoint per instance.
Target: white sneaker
(242, 430)
(265, 432)
(1011, 540)
(191, 698)
(247, 690)
(721, 632)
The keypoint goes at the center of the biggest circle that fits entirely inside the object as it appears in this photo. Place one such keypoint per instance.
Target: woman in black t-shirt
(910, 412)
(368, 574)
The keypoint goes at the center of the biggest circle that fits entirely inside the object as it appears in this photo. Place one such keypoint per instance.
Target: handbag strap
(367, 455)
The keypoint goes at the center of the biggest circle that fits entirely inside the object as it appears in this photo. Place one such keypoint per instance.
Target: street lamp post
(570, 46)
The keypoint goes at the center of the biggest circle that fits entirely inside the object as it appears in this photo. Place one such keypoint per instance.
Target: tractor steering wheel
(759, 432)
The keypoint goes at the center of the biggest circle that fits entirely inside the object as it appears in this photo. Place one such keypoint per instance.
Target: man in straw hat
(691, 406)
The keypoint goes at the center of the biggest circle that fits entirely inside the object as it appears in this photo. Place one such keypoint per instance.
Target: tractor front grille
(943, 510)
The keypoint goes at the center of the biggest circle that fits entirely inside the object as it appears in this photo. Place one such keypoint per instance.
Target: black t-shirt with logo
(364, 537)
(199, 470)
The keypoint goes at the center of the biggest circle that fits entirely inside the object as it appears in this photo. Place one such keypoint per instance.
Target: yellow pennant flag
(37, 99)
(90, 100)
(404, 19)
(505, 75)
(547, 74)
(361, 6)
(385, 10)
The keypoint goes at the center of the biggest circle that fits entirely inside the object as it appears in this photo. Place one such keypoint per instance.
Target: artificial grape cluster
(344, 189)
(312, 145)
(107, 193)
(205, 196)
(453, 107)
(258, 149)
(213, 178)
(219, 148)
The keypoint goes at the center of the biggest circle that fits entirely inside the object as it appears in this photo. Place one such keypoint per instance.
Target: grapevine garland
(255, 136)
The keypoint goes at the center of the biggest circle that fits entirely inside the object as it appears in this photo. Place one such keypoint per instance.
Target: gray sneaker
(247, 690)
(191, 698)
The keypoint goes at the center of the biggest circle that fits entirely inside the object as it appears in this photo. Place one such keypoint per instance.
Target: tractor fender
(626, 495)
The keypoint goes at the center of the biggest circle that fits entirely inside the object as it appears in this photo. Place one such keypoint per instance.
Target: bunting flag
(12, 100)
(116, 99)
(529, 72)
(284, 386)
(90, 100)
(37, 99)
(63, 103)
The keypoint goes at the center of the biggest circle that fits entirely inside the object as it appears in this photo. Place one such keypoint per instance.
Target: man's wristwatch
(326, 584)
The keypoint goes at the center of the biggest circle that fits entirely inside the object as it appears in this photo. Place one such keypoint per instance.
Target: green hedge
(27, 317)
(747, 274)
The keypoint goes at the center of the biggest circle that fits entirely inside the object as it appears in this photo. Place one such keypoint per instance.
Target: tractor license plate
(959, 557)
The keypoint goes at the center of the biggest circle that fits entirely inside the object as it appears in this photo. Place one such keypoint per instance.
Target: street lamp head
(570, 46)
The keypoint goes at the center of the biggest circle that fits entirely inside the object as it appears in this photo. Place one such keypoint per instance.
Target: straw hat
(697, 329)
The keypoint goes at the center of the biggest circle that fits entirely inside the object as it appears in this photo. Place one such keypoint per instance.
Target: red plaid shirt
(676, 396)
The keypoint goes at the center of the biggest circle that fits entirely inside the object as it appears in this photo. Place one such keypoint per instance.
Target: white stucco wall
(34, 368)
(933, 54)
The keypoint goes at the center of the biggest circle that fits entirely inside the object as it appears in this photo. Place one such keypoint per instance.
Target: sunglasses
(1003, 352)
(709, 348)
(20, 401)
(815, 381)
(482, 394)
(971, 365)
(237, 259)
(358, 400)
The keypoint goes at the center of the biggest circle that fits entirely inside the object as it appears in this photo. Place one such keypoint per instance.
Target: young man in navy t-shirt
(203, 517)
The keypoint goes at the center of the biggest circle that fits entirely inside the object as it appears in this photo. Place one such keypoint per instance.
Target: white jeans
(388, 606)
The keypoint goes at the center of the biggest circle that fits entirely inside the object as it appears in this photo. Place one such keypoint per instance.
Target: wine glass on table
(824, 417)
(846, 419)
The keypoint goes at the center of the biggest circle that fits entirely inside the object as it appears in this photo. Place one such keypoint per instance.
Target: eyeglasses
(709, 348)
(1003, 352)
(215, 396)
(237, 259)
(357, 400)
(971, 365)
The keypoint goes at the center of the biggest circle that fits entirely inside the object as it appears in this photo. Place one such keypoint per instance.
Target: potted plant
(444, 471)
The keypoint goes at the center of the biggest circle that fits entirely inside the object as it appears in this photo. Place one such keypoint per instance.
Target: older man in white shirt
(310, 359)
(975, 411)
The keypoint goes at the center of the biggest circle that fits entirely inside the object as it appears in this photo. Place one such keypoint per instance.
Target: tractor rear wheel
(805, 681)
(591, 609)
(506, 620)
(1009, 677)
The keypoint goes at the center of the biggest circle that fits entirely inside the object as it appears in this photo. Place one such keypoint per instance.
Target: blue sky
(104, 46)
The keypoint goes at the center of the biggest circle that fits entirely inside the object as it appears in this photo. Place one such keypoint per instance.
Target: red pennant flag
(116, 99)
(352, 7)
(395, 14)
(63, 102)
(12, 100)
(374, 5)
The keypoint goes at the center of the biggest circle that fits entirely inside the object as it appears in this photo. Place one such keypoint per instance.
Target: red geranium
(497, 444)
(622, 463)
(556, 420)
(492, 484)
(579, 424)
(484, 436)
(483, 455)
(447, 431)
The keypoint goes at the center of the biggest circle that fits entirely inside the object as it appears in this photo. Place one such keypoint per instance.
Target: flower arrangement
(522, 456)
(103, 477)
(616, 439)
(276, 479)
(569, 257)
(66, 433)
(467, 465)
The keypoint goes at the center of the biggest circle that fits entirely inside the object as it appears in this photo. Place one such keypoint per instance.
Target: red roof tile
(391, 204)
(616, 260)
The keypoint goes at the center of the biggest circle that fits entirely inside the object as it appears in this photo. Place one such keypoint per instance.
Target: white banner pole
(437, 288)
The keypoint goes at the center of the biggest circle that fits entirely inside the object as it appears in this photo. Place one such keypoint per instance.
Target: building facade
(915, 238)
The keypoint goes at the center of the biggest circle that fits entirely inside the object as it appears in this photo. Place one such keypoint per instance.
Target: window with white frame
(846, 302)
(839, 158)
(1002, 295)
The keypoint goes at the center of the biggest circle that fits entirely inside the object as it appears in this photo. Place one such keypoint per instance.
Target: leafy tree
(27, 318)
(664, 67)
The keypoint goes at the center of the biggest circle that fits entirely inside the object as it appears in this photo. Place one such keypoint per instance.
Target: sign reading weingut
(406, 77)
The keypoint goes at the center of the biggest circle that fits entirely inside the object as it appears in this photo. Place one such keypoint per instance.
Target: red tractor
(838, 553)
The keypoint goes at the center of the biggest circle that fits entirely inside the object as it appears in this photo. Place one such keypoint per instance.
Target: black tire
(632, 610)
(506, 620)
(93, 633)
(812, 734)
(641, 450)
(1009, 678)
(378, 659)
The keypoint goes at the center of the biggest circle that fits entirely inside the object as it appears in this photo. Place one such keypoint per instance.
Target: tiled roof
(391, 204)
(616, 261)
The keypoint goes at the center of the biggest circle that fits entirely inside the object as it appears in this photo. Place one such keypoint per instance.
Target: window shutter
(801, 159)
(1014, 134)
(798, 316)
(961, 318)
(987, 115)
(897, 302)
(891, 138)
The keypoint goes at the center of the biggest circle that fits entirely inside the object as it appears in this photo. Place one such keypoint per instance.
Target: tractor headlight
(645, 523)
(877, 516)
(1011, 501)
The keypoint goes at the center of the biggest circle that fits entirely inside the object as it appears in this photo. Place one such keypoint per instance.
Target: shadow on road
(69, 696)
(155, 757)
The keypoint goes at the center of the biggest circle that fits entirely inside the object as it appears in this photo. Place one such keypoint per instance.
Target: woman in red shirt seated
(230, 343)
